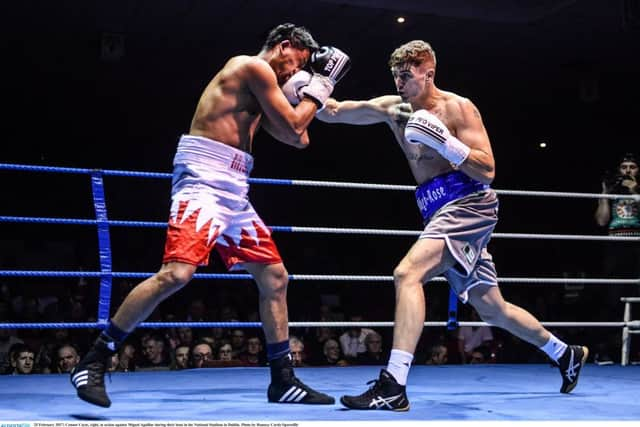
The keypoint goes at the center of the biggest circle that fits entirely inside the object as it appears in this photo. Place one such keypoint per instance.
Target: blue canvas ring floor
(451, 392)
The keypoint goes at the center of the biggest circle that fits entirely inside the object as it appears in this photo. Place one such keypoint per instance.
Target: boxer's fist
(425, 128)
(292, 87)
(331, 62)
(329, 65)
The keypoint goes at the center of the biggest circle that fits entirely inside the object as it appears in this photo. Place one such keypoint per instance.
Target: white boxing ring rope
(628, 325)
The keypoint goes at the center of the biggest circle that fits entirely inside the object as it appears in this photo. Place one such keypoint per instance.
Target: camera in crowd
(613, 181)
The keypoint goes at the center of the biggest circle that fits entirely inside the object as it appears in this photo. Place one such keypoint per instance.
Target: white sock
(554, 347)
(399, 364)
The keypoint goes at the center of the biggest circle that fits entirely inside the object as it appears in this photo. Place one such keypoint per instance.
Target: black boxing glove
(329, 65)
(330, 62)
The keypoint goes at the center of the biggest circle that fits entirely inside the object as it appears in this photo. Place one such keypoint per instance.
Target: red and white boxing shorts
(210, 207)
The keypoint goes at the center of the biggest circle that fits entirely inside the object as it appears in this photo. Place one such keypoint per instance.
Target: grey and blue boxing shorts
(463, 212)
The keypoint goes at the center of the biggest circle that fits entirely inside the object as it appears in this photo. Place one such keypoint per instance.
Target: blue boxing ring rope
(103, 224)
(480, 392)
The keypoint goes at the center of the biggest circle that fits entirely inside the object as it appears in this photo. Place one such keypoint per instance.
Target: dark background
(113, 84)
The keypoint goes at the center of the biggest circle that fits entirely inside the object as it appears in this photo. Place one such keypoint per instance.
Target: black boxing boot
(285, 387)
(385, 393)
(88, 376)
(570, 364)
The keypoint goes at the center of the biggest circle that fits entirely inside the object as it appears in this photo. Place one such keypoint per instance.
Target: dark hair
(629, 157)
(17, 348)
(299, 37)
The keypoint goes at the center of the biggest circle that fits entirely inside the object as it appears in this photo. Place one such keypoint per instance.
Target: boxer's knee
(173, 276)
(274, 282)
(409, 274)
(405, 276)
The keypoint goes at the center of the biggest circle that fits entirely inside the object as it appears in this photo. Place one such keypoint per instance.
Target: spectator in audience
(254, 355)
(438, 355)
(471, 338)
(332, 354)
(298, 356)
(197, 311)
(225, 353)
(622, 218)
(374, 354)
(181, 358)
(201, 353)
(126, 358)
(114, 366)
(8, 339)
(352, 341)
(315, 346)
(210, 339)
(228, 313)
(22, 358)
(67, 358)
(477, 357)
(185, 336)
(238, 343)
(155, 354)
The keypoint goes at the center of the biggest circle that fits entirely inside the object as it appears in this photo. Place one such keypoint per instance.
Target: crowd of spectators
(28, 351)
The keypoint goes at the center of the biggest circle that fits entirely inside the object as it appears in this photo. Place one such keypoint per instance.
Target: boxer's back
(227, 110)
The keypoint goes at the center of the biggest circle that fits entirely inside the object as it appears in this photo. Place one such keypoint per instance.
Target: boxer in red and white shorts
(210, 207)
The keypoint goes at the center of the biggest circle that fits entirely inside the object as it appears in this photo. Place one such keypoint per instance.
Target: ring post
(104, 245)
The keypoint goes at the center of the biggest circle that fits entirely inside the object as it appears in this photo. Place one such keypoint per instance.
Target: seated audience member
(181, 358)
(67, 358)
(114, 366)
(352, 341)
(438, 355)
(155, 354)
(126, 358)
(472, 338)
(314, 345)
(298, 356)
(238, 342)
(22, 359)
(8, 339)
(374, 354)
(185, 336)
(225, 358)
(254, 354)
(477, 357)
(332, 354)
(200, 354)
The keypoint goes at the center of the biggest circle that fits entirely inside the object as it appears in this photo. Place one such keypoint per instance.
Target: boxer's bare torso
(228, 111)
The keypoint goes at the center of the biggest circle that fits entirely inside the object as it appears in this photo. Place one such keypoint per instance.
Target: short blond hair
(414, 52)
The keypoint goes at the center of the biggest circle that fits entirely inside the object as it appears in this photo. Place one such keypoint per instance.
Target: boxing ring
(447, 392)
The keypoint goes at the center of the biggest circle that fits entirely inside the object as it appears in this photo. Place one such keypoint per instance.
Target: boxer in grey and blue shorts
(448, 150)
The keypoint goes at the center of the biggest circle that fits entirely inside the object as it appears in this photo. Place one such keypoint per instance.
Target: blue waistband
(442, 189)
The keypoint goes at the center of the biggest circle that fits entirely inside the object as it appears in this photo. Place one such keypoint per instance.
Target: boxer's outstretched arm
(376, 110)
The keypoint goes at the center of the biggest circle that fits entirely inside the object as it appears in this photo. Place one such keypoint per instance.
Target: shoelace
(373, 390)
(97, 369)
